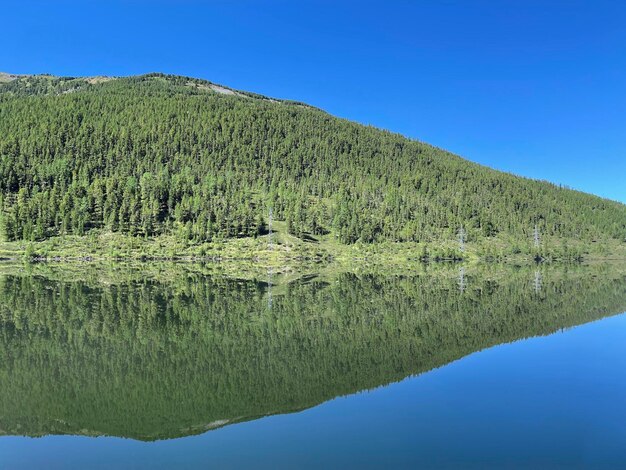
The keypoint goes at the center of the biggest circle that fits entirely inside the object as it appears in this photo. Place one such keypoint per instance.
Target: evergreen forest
(157, 154)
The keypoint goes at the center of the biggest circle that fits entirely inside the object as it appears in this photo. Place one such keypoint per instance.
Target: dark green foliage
(147, 359)
(161, 154)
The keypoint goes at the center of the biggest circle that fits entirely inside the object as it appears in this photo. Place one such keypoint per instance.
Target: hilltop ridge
(26, 83)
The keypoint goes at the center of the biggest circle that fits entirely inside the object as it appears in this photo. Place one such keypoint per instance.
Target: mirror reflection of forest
(174, 352)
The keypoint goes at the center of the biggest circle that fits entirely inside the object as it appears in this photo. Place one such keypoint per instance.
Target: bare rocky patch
(98, 79)
(9, 77)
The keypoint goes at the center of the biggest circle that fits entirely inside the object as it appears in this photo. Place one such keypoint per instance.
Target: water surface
(448, 367)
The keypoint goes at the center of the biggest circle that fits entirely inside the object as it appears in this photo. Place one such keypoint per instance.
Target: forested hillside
(159, 154)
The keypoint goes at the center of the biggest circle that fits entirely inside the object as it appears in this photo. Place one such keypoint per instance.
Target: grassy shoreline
(286, 249)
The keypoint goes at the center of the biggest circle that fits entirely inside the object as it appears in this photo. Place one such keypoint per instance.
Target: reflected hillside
(155, 358)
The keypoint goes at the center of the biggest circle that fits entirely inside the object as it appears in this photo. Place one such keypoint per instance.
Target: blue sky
(537, 88)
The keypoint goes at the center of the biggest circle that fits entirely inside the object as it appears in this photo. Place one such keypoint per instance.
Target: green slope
(167, 155)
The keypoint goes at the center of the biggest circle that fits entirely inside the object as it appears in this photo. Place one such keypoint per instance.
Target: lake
(440, 366)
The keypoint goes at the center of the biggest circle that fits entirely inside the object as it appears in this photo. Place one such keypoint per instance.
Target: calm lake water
(170, 366)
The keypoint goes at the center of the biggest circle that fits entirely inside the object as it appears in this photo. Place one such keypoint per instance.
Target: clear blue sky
(537, 88)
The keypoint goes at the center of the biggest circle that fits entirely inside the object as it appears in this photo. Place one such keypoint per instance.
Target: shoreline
(98, 247)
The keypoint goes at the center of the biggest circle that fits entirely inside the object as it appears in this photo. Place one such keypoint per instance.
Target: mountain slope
(159, 154)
